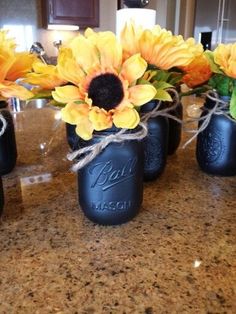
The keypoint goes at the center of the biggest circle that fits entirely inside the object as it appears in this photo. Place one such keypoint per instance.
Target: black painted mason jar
(155, 143)
(216, 145)
(175, 128)
(72, 138)
(111, 185)
(8, 151)
(1, 197)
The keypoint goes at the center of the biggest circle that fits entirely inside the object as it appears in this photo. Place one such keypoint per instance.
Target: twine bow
(4, 124)
(93, 150)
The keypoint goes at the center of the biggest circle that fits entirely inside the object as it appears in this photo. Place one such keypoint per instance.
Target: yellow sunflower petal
(74, 113)
(45, 81)
(196, 48)
(9, 89)
(7, 58)
(146, 44)
(233, 52)
(231, 71)
(21, 66)
(89, 32)
(68, 68)
(141, 94)
(126, 118)
(42, 68)
(85, 129)
(129, 38)
(84, 52)
(66, 94)
(133, 68)
(110, 50)
(45, 76)
(166, 56)
(100, 119)
(225, 57)
(158, 46)
(221, 55)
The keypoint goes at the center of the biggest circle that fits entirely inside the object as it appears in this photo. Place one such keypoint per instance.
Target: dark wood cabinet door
(83, 13)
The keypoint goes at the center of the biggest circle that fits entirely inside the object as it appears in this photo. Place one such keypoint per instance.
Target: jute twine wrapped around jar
(87, 154)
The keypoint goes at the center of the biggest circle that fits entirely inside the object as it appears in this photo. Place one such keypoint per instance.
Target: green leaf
(41, 94)
(222, 83)
(214, 67)
(175, 78)
(149, 74)
(232, 105)
(78, 102)
(161, 85)
(161, 76)
(142, 81)
(54, 103)
(162, 95)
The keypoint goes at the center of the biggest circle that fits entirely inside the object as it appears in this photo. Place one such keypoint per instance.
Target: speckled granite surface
(177, 256)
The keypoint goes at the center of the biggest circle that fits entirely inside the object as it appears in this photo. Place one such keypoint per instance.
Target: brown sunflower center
(106, 91)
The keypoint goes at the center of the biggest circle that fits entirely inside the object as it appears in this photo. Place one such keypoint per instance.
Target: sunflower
(197, 72)
(225, 57)
(157, 46)
(45, 76)
(195, 48)
(13, 66)
(103, 90)
(223, 65)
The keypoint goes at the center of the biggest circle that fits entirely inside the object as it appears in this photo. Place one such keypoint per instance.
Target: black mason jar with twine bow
(175, 127)
(216, 143)
(156, 142)
(72, 138)
(8, 151)
(164, 122)
(110, 175)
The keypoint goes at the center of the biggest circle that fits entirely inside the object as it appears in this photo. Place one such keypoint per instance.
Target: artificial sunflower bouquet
(222, 62)
(212, 76)
(101, 81)
(167, 55)
(214, 71)
(93, 83)
(13, 66)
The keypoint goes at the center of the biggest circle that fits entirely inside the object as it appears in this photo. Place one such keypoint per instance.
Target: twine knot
(157, 112)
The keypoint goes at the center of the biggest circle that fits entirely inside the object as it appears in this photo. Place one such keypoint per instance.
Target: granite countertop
(177, 256)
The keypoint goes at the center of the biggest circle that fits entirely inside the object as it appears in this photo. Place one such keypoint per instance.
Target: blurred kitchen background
(29, 21)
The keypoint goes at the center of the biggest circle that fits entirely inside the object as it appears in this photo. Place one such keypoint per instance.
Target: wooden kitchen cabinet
(84, 13)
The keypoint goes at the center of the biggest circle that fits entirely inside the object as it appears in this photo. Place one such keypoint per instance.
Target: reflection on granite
(177, 256)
